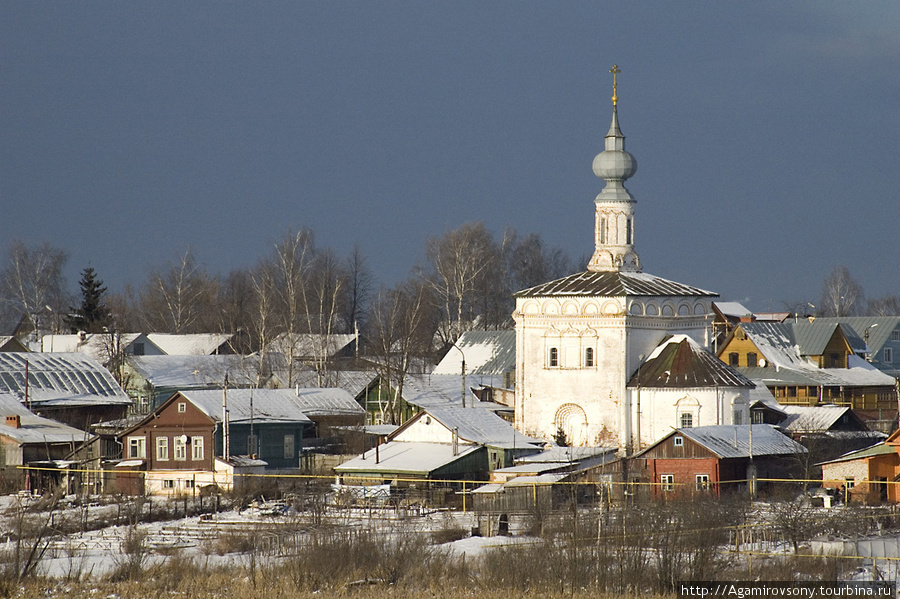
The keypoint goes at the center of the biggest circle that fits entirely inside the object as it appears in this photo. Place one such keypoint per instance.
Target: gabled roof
(859, 374)
(354, 382)
(565, 455)
(613, 284)
(8, 343)
(327, 402)
(406, 458)
(196, 344)
(816, 419)
(679, 362)
(734, 441)
(311, 346)
(733, 310)
(269, 405)
(486, 352)
(878, 335)
(97, 345)
(439, 390)
(33, 428)
(813, 337)
(185, 372)
(56, 376)
(472, 425)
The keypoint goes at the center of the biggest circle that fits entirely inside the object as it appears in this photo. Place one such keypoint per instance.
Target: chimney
(14, 421)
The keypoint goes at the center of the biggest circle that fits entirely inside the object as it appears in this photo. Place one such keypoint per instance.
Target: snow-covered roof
(185, 372)
(269, 405)
(196, 344)
(613, 284)
(859, 374)
(566, 455)
(732, 309)
(307, 346)
(734, 441)
(56, 376)
(679, 362)
(99, 346)
(437, 390)
(814, 419)
(33, 428)
(482, 427)
(327, 402)
(867, 452)
(486, 352)
(353, 382)
(409, 458)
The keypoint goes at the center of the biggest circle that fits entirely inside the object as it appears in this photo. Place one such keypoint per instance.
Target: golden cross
(615, 71)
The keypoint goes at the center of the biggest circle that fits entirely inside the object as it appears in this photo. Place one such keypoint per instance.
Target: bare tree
(399, 330)
(32, 281)
(180, 299)
(236, 301)
(356, 292)
(458, 260)
(841, 294)
(889, 305)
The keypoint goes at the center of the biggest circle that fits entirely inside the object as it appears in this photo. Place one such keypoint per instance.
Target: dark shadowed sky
(767, 133)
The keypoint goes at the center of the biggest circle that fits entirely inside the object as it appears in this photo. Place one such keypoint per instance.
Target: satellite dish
(762, 362)
(183, 439)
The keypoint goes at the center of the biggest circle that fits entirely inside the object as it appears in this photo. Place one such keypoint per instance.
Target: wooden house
(813, 363)
(716, 459)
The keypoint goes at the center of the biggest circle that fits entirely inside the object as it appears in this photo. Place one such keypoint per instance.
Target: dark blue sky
(767, 134)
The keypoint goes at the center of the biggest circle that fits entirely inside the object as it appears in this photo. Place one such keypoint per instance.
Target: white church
(581, 339)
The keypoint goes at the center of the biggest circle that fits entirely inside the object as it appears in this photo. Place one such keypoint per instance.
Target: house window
(181, 447)
(603, 230)
(849, 482)
(554, 357)
(678, 441)
(792, 391)
(686, 420)
(137, 349)
(667, 482)
(289, 447)
(137, 448)
(189, 483)
(757, 417)
(197, 448)
(895, 335)
(734, 359)
(168, 483)
(182, 407)
(888, 355)
(702, 482)
(162, 448)
(738, 416)
(833, 361)
(629, 231)
(752, 360)
(589, 357)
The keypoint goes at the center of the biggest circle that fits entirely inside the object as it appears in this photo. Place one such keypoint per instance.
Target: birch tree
(180, 299)
(32, 283)
(841, 294)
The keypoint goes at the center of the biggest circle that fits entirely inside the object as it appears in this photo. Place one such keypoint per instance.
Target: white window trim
(180, 449)
(139, 444)
(197, 448)
(162, 449)
(702, 481)
(667, 482)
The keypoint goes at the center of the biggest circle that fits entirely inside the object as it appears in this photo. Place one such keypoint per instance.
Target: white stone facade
(574, 356)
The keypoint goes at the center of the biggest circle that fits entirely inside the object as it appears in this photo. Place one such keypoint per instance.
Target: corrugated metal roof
(408, 458)
(859, 374)
(565, 455)
(486, 352)
(33, 428)
(186, 372)
(439, 390)
(734, 441)
(196, 344)
(480, 426)
(269, 405)
(56, 375)
(327, 402)
(812, 419)
(613, 284)
(309, 345)
(878, 335)
(353, 382)
(679, 362)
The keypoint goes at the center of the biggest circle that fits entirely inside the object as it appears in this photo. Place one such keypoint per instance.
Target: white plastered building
(579, 339)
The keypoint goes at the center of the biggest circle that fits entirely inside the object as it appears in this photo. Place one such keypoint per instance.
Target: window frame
(179, 449)
(686, 417)
(589, 357)
(702, 482)
(162, 449)
(197, 448)
(553, 357)
(137, 448)
(666, 483)
(887, 355)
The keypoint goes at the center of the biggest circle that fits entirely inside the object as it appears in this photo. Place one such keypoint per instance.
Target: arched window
(589, 357)
(629, 231)
(687, 420)
(603, 230)
(752, 360)
(554, 357)
(734, 359)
